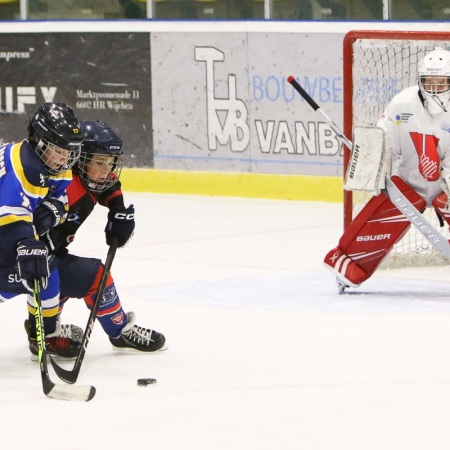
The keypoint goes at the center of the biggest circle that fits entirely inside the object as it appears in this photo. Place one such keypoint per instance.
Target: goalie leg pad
(372, 234)
(346, 270)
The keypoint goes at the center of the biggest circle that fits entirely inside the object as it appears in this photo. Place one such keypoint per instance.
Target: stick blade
(64, 392)
(71, 393)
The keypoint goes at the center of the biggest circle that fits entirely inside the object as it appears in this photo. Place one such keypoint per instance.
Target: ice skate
(64, 344)
(341, 287)
(136, 339)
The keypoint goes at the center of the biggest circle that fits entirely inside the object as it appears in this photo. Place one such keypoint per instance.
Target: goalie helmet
(55, 134)
(100, 162)
(434, 80)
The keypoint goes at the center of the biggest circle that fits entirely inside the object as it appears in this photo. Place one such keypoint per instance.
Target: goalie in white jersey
(416, 126)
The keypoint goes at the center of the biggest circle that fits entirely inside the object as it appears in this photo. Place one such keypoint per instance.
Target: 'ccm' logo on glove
(120, 225)
(124, 216)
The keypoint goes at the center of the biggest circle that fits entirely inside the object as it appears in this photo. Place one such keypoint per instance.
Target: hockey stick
(61, 392)
(70, 376)
(428, 231)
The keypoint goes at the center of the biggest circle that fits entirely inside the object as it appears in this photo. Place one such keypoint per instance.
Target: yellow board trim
(281, 187)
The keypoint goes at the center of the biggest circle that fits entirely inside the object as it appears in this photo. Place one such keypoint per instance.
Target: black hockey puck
(145, 381)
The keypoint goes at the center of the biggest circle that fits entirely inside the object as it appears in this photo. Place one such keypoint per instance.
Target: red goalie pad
(370, 236)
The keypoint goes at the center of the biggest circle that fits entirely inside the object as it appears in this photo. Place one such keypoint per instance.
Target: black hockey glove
(120, 225)
(32, 262)
(51, 239)
(48, 214)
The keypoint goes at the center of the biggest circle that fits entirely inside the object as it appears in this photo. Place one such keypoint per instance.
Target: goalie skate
(341, 287)
(64, 344)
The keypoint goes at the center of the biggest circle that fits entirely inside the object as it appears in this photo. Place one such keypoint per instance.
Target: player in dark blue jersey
(34, 175)
(96, 180)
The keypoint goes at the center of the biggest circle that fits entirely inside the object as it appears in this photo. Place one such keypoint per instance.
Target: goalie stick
(70, 376)
(60, 392)
(428, 231)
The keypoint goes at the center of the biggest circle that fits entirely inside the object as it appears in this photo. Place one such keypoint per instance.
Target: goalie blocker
(367, 165)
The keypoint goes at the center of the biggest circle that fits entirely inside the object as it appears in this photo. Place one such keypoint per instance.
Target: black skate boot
(137, 339)
(63, 344)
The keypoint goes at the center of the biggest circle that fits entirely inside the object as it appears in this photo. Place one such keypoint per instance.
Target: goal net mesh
(376, 68)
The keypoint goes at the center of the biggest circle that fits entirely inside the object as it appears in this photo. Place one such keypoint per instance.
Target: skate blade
(128, 350)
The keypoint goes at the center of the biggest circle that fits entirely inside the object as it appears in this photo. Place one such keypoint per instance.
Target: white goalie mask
(434, 80)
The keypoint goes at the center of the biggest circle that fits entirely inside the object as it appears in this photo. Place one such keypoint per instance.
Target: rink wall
(203, 107)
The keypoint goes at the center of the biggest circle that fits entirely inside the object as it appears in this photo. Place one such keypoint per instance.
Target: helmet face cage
(435, 84)
(100, 162)
(105, 167)
(55, 135)
(57, 159)
(434, 80)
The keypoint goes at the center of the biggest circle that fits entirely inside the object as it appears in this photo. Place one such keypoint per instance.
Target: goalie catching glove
(120, 225)
(444, 198)
(32, 262)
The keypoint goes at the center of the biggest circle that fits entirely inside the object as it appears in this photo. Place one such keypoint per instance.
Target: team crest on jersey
(118, 318)
(427, 150)
(109, 295)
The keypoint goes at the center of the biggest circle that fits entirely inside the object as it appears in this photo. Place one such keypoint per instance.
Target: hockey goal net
(377, 66)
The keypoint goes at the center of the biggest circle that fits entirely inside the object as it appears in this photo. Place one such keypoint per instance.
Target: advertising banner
(194, 96)
(102, 76)
(221, 102)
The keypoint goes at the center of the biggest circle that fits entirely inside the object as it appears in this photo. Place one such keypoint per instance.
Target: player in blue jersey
(96, 180)
(34, 175)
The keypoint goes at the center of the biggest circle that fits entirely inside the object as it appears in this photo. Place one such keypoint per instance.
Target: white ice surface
(263, 353)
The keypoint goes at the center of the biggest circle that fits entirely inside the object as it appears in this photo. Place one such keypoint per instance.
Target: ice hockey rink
(263, 352)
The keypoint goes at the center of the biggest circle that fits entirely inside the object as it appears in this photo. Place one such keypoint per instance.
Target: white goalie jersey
(421, 158)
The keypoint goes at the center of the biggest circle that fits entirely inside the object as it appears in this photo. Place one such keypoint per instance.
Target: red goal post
(376, 66)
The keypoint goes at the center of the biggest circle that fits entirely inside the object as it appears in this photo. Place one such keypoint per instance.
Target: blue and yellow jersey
(24, 182)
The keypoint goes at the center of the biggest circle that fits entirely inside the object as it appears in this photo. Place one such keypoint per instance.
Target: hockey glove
(120, 225)
(51, 239)
(32, 262)
(48, 214)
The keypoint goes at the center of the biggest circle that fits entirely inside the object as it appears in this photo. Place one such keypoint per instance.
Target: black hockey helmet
(101, 156)
(55, 125)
